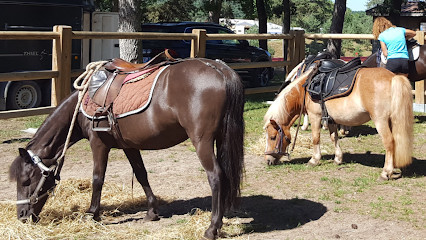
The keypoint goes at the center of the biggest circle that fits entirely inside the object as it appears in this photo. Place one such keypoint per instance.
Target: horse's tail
(402, 121)
(230, 150)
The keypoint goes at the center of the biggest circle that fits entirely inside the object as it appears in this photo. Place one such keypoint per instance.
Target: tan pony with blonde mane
(377, 95)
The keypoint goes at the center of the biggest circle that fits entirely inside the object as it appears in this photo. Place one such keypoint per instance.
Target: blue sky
(356, 5)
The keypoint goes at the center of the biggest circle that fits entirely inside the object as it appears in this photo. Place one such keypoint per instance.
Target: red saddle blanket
(135, 95)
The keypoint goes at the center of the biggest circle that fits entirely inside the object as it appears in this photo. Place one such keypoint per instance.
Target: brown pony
(198, 99)
(378, 94)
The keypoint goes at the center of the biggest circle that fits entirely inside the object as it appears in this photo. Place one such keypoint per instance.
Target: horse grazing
(199, 99)
(377, 94)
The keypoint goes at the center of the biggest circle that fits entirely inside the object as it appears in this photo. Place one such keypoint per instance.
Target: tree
(130, 21)
(389, 8)
(334, 45)
(311, 15)
(213, 7)
(263, 22)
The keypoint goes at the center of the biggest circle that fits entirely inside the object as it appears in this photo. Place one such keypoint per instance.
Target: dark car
(229, 51)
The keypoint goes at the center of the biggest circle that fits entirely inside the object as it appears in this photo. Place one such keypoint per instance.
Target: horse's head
(278, 138)
(35, 179)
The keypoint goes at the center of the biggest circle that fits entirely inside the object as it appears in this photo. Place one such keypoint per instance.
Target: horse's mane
(61, 115)
(278, 109)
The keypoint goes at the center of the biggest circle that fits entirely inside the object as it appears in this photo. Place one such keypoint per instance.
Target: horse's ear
(24, 154)
(274, 124)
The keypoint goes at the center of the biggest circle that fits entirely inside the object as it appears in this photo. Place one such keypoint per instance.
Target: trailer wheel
(22, 95)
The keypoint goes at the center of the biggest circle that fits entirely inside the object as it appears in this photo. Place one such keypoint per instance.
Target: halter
(278, 150)
(45, 172)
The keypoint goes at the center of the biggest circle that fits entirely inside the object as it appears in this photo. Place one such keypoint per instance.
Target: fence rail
(62, 37)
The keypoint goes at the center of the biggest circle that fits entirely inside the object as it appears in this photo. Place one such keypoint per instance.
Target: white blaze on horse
(377, 95)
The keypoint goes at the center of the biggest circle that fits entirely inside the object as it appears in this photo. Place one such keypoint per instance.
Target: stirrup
(97, 128)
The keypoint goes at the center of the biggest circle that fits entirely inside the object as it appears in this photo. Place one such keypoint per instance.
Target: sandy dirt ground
(176, 174)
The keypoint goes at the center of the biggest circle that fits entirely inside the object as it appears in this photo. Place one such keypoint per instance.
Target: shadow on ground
(265, 213)
(416, 169)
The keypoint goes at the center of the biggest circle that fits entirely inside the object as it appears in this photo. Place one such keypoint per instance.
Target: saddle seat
(329, 65)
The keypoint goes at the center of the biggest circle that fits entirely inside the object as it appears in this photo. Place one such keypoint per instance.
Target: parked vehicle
(30, 55)
(230, 51)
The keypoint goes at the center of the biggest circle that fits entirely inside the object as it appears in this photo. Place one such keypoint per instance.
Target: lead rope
(310, 76)
(298, 124)
(81, 84)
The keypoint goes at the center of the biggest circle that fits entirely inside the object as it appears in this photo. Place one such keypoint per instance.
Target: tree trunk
(395, 11)
(114, 7)
(263, 22)
(334, 45)
(130, 21)
(286, 26)
(214, 8)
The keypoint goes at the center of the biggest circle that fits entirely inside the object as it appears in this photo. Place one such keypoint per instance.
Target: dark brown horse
(198, 99)
(417, 68)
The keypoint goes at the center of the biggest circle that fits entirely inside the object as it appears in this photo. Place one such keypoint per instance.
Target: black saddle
(334, 78)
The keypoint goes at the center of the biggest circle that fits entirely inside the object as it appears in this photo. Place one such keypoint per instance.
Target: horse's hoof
(151, 217)
(383, 177)
(395, 175)
(313, 164)
(208, 236)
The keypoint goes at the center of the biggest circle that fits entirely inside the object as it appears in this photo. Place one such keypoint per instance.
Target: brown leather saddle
(105, 84)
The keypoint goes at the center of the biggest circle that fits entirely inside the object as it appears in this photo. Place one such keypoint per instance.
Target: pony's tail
(230, 145)
(402, 121)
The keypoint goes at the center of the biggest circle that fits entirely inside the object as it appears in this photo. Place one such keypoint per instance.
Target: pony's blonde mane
(278, 110)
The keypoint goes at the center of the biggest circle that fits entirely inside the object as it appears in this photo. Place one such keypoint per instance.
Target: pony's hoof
(395, 175)
(383, 177)
(313, 164)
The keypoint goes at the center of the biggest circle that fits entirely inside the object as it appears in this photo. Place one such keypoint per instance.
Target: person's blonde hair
(380, 25)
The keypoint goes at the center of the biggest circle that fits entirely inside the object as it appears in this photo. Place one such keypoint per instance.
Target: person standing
(393, 44)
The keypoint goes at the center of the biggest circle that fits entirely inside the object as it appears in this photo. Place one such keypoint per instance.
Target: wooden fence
(62, 37)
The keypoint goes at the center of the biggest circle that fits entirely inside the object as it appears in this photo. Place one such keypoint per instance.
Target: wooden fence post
(420, 86)
(61, 62)
(297, 48)
(198, 45)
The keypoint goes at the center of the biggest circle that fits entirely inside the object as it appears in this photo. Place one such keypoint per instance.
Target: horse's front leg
(100, 158)
(333, 129)
(316, 135)
(136, 161)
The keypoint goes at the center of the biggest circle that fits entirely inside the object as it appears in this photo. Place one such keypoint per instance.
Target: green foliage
(311, 15)
(168, 10)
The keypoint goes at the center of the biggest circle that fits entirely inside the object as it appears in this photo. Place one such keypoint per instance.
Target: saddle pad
(342, 86)
(134, 97)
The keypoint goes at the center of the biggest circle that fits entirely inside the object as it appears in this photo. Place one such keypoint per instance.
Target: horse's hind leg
(333, 129)
(384, 131)
(208, 159)
(136, 161)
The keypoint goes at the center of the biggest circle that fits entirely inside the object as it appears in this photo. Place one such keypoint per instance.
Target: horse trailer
(33, 55)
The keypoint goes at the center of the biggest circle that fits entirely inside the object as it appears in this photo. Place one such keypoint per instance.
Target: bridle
(278, 150)
(45, 173)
